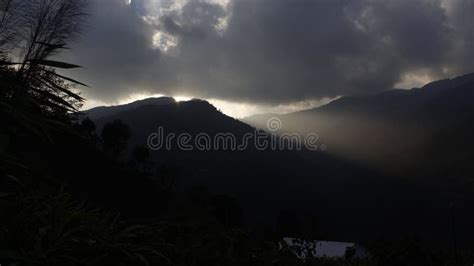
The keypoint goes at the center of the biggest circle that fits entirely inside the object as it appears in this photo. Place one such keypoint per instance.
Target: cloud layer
(270, 51)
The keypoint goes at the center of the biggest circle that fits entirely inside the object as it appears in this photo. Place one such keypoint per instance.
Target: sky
(255, 56)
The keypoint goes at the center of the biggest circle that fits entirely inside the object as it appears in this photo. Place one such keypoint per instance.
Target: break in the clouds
(271, 51)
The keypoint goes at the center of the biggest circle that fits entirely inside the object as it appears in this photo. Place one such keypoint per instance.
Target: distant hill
(443, 98)
(423, 131)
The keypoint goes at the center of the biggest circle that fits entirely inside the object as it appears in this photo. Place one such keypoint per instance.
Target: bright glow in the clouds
(221, 27)
(91, 103)
(233, 109)
(414, 80)
(155, 9)
(164, 41)
(241, 110)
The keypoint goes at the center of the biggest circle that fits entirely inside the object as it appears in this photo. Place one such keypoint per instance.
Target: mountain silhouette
(331, 185)
(393, 130)
(103, 111)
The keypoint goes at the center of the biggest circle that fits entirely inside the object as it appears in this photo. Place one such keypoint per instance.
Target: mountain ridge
(102, 111)
(429, 90)
(334, 184)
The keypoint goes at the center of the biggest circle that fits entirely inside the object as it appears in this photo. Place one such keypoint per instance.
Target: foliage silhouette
(115, 138)
(141, 158)
(55, 230)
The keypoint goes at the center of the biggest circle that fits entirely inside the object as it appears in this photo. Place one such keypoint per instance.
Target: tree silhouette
(49, 25)
(34, 96)
(140, 157)
(88, 130)
(115, 136)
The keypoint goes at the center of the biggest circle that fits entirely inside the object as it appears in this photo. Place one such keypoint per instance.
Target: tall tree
(140, 157)
(38, 29)
(115, 136)
(49, 26)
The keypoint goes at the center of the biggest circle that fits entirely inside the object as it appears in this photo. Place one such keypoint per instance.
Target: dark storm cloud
(271, 51)
(116, 52)
(462, 56)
